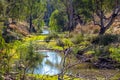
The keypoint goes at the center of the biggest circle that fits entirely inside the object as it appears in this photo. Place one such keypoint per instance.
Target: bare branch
(72, 65)
(113, 16)
(113, 74)
(78, 18)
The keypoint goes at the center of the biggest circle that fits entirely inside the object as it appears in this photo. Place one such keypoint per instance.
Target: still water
(51, 63)
(45, 31)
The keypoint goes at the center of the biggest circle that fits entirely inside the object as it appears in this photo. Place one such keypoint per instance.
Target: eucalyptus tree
(101, 8)
(22, 10)
(69, 7)
(11, 9)
(1, 8)
(65, 7)
(97, 10)
(5, 58)
(34, 10)
(58, 20)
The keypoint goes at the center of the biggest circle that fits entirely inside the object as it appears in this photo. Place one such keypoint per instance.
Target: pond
(51, 64)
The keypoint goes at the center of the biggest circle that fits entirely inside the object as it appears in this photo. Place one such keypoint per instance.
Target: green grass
(35, 37)
(55, 77)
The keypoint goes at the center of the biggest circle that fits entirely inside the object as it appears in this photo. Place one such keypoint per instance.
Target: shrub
(85, 43)
(76, 49)
(77, 39)
(101, 51)
(64, 43)
(115, 53)
(51, 36)
(67, 42)
(47, 39)
(60, 43)
(105, 39)
(2, 43)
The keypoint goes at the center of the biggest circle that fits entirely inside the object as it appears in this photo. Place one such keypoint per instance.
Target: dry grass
(90, 28)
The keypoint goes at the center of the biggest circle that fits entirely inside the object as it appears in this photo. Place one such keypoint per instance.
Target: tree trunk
(31, 29)
(70, 15)
(30, 24)
(102, 30)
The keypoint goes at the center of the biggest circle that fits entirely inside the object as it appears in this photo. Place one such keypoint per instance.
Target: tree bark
(30, 24)
(102, 30)
(31, 29)
(69, 9)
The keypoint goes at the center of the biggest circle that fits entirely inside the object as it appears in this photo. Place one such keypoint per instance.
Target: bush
(102, 51)
(64, 43)
(51, 36)
(77, 39)
(2, 43)
(85, 43)
(47, 39)
(115, 53)
(76, 49)
(60, 43)
(105, 39)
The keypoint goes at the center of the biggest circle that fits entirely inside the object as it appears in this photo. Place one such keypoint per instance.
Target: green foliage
(83, 7)
(23, 10)
(53, 35)
(47, 39)
(29, 59)
(60, 43)
(105, 39)
(3, 56)
(76, 49)
(1, 7)
(34, 38)
(2, 42)
(90, 52)
(64, 43)
(67, 42)
(102, 51)
(77, 39)
(86, 7)
(57, 21)
(115, 53)
(107, 5)
(38, 24)
(55, 77)
(85, 43)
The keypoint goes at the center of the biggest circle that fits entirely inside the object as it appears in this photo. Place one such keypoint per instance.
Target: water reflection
(50, 64)
(45, 31)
